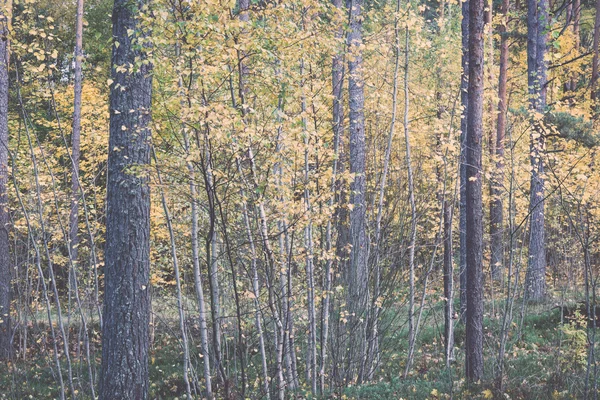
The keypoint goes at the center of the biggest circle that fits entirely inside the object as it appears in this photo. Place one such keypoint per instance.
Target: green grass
(544, 360)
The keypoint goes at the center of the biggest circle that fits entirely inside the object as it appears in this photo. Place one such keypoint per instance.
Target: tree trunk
(180, 306)
(337, 82)
(537, 14)
(474, 210)
(464, 99)
(5, 262)
(75, 138)
(594, 81)
(125, 332)
(448, 285)
(496, 209)
(357, 267)
(413, 218)
(202, 315)
(310, 280)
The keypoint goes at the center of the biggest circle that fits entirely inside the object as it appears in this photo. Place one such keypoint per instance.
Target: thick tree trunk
(464, 99)
(357, 267)
(125, 332)
(5, 281)
(496, 209)
(474, 210)
(537, 14)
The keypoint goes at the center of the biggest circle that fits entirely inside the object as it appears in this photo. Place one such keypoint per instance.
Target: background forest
(261, 199)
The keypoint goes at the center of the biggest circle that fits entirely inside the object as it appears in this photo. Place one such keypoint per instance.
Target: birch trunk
(413, 211)
(5, 261)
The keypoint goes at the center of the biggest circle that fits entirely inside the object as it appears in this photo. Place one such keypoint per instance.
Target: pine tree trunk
(474, 206)
(125, 332)
(496, 208)
(537, 14)
(5, 262)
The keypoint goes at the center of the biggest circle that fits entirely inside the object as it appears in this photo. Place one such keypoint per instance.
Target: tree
(537, 20)
(448, 285)
(76, 135)
(496, 210)
(594, 80)
(5, 261)
(357, 266)
(464, 100)
(473, 206)
(125, 332)
(337, 85)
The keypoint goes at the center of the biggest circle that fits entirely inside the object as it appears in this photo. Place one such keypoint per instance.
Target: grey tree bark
(473, 196)
(413, 218)
(5, 262)
(180, 306)
(595, 95)
(537, 27)
(448, 285)
(337, 83)
(125, 332)
(464, 99)
(357, 267)
(202, 314)
(308, 244)
(76, 136)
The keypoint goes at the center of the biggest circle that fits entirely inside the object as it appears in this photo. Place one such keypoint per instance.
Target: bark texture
(537, 20)
(496, 209)
(448, 285)
(76, 135)
(357, 273)
(474, 210)
(594, 81)
(464, 99)
(125, 333)
(5, 293)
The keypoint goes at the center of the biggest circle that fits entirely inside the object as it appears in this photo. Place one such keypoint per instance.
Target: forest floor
(545, 359)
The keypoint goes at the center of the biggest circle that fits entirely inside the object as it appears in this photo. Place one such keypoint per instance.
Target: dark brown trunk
(537, 14)
(496, 209)
(125, 332)
(474, 210)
